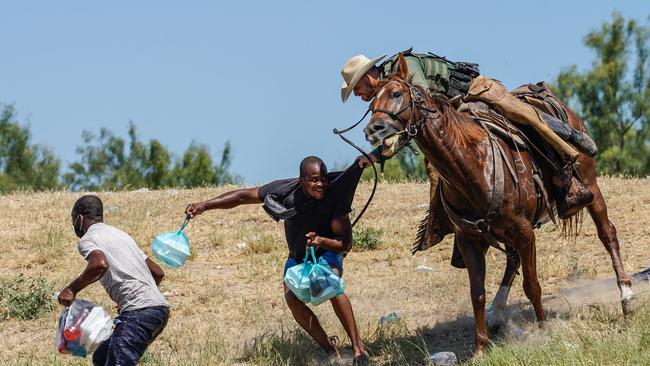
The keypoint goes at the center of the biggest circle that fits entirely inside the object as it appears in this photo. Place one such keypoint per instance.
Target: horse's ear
(402, 67)
(374, 82)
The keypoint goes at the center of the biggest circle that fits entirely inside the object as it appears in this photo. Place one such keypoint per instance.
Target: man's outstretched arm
(95, 269)
(227, 200)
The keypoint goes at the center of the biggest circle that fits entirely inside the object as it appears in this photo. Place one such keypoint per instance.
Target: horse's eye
(396, 94)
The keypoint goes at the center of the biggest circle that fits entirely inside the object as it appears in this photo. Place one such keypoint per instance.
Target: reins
(396, 116)
(340, 133)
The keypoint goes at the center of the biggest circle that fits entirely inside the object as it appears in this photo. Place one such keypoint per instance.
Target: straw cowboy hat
(353, 71)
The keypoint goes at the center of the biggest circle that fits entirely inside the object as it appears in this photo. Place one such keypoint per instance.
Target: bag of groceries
(82, 327)
(313, 281)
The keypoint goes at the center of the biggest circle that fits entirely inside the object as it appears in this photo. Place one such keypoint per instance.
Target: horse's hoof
(477, 355)
(630, 305)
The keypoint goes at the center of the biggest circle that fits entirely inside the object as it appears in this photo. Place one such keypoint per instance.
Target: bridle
(410, 129)
(415, 103)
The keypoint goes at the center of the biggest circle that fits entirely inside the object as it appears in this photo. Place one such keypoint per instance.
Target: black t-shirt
(313, 215)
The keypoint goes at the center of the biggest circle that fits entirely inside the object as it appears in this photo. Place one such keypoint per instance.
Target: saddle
(541, 97)
(519, 138)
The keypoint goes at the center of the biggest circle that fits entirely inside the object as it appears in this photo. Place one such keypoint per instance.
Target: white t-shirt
(127, 280)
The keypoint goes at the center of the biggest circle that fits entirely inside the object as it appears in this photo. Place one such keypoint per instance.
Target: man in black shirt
(315, 210)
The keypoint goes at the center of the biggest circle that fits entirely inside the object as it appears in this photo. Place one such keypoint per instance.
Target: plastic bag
(82, 327)
(172, 248)
(324, 283)
(313, 281)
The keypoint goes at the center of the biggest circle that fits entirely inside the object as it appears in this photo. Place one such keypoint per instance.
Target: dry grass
(228, 305)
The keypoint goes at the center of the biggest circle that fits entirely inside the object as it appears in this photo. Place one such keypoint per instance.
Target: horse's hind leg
(496, 310)
(524, 241)
(607, 235)
(473, 251)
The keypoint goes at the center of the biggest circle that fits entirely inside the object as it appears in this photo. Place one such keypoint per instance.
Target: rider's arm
(227, 200)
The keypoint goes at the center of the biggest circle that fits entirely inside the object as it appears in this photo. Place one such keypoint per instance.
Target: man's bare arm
(156, 272)
(95, 269)
(227, 200)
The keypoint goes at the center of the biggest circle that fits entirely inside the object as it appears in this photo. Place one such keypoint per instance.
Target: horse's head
(392, 107)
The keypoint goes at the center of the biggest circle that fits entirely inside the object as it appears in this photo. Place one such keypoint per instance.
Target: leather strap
(482, 226)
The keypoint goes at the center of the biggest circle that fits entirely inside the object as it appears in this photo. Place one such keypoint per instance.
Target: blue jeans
(134, 331)
(333, 259)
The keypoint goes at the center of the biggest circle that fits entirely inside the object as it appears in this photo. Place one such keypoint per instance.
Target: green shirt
(425, 71)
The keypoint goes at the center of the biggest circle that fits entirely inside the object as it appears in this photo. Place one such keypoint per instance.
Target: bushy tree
(108, 162)
(613, 96)
(24, 165)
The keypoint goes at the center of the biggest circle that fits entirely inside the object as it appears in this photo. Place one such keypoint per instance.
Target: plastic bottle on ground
(444, 359)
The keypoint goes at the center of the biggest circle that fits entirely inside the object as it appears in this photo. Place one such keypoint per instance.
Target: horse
(488, 205)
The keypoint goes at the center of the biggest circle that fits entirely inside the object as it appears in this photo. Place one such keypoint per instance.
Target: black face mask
(78, 231)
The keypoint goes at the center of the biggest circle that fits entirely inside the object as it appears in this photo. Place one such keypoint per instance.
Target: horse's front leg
(473, 251)
(497, 310)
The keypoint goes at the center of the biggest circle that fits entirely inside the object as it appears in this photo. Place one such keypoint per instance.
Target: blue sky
(262, 74)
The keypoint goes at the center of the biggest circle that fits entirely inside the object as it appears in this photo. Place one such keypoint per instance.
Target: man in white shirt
(127, 274)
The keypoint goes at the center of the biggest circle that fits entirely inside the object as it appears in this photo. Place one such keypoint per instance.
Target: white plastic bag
(82, 327)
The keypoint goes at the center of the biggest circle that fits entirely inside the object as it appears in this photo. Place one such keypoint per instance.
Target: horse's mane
(459, 127)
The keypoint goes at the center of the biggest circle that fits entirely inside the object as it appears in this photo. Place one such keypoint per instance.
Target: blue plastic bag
(313, 281)
(172, 248)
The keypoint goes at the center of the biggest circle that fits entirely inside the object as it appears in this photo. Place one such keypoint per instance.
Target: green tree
(613, 96)
(24, 165)
(196, 167)
(158, 173)
(101, 162)
(109, 162)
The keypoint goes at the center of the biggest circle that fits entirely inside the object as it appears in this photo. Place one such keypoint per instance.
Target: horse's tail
(571, 226)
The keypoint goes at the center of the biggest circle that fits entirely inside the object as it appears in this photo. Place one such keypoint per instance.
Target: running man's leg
(343, 307)
(308, 321)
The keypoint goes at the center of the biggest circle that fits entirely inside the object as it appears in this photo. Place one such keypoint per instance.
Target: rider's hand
(194, 209)
(66, 296)
(313, 240)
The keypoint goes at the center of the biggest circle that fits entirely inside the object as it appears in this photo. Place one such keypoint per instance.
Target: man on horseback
(462, 82)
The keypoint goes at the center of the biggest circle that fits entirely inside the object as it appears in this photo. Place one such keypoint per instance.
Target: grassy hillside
(228, 305)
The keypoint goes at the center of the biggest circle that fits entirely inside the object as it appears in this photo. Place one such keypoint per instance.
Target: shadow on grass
(288, 347)
(390, 344)
(395, 344)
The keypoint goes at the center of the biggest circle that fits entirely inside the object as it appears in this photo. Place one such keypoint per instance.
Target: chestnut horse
(470, 162)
